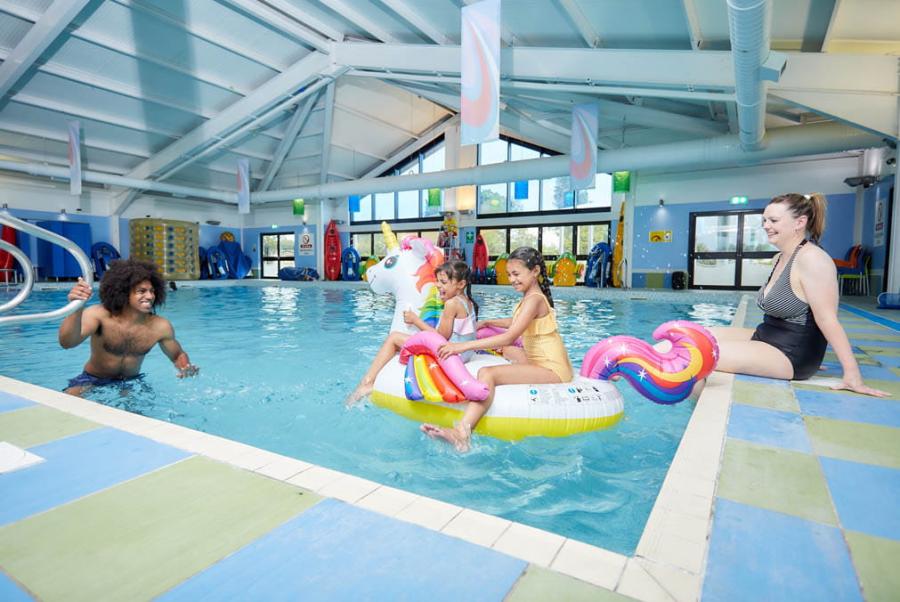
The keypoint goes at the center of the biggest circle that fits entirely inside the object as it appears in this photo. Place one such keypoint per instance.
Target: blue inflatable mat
(103, 254)
(306, 274)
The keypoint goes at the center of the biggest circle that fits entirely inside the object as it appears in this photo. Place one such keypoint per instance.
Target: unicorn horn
(390, 239)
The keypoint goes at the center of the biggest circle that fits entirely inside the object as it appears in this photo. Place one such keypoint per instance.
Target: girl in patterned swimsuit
(457, 323)
(799, 300)
(542, 359)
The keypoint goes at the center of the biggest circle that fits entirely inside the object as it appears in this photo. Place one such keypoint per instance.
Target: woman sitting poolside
(799, 300)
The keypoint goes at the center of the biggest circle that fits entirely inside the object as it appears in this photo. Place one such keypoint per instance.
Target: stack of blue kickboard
(227, 261)
(597, 271)
(292, 273)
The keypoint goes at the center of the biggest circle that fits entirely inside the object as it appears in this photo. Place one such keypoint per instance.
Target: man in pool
(123, 328)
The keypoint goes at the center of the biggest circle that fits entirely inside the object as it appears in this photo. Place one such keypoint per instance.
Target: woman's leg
(731, 333)
(493, 376)
(392, 344)
(515, 354)
(754, 358)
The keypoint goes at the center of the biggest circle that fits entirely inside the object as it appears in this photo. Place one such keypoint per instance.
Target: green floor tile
(775, 479)
(875, 559)
(765, 396)
(539, 585)
(892, 387)
(889, 335)
(39, 424)
(854, 441)
(141, 538)
(875, 350)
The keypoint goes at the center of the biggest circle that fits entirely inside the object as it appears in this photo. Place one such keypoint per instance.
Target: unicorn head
(407, 272)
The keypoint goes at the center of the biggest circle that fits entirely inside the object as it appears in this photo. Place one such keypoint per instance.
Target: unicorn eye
(390, 261)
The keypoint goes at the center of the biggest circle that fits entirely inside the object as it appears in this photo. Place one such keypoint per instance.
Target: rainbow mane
(664, 377)
(430, 313)
(433, 379)
(433, 258)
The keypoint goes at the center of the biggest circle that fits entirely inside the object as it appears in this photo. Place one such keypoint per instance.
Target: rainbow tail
(664, 377)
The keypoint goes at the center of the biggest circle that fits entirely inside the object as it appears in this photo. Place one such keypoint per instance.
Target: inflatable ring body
(518, 411)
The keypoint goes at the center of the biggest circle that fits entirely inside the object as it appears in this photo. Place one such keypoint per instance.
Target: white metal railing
(87, 271)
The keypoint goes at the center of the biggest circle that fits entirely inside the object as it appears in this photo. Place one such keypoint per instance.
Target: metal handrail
(87, 271)
(23, 260)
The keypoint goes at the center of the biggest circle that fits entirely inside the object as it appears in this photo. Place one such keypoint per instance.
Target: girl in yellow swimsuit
(542, 357)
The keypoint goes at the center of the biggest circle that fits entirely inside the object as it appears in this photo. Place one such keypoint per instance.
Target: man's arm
(80, 324)
(172, 348)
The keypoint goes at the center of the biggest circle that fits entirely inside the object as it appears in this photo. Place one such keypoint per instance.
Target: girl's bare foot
(361, 390)
(458, 437)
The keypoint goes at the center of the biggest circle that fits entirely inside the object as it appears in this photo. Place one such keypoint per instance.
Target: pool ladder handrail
(87, 271)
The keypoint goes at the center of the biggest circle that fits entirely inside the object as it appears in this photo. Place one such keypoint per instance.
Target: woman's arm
(818, 278)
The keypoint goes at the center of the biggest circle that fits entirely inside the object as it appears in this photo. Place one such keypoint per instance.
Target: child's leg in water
(492, 376)
(392, 344)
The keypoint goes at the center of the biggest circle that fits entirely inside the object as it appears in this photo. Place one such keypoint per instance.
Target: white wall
(824, 174)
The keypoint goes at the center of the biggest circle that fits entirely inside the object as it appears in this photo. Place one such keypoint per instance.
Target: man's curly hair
(121, 278)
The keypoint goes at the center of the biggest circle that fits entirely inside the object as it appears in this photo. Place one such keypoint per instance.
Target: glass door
(277, 253)
(728, 250)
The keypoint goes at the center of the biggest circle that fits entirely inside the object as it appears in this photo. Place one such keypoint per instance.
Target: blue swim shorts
(86, 379)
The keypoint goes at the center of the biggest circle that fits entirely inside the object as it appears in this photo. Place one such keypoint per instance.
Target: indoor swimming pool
(277, 361)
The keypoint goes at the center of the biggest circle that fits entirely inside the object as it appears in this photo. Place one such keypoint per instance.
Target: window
(369, 243)
(524, 195)
(556, 194)
(556, 240)
(277, 253)
(600, 196)
(495, 239)
(589, 235)
(406, 204)
(523, 237)
(363, 244)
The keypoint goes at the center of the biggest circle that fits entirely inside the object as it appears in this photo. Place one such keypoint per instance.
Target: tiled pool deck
(794, 498)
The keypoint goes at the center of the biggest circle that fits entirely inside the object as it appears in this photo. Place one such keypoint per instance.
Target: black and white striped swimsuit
(789, 324)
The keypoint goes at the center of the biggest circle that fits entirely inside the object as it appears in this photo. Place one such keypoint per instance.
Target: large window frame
(540, 236)
(286, 260)
(738, 255)
(415, 163)
(373, 240)
(541, 211)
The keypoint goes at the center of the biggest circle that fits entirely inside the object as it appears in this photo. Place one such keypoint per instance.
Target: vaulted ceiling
(322, 91)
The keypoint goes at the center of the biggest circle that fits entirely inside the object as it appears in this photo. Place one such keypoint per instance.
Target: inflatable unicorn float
(422, 387)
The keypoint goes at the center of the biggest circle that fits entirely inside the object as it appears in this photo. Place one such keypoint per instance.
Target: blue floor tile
(9, 402)
(756, 554)
(768, 427)
(335, 551)
(889, 361)
(77, 466)
(11, 592)
(857, 341)
(762, 380)
(834, 370)
(865, 496)
(843, 406)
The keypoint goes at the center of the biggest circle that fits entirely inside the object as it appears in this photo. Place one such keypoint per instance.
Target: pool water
(277, 362)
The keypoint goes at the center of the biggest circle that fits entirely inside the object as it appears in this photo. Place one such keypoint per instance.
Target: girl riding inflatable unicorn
(426, 388)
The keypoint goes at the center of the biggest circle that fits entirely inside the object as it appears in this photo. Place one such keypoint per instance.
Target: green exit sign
(738, 200)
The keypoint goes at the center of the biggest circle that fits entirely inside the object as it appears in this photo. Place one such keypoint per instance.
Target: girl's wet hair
(121, 278)
(459, 270)
(532, 258)
(813, 206)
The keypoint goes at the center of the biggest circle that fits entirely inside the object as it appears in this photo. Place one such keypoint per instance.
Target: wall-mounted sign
(306, 244)
(660, 236)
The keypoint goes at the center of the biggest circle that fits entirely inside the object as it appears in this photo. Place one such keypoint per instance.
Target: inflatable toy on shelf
(350, 264)
(597, 272)
(499, 268)
(566, 270)
(423, 387)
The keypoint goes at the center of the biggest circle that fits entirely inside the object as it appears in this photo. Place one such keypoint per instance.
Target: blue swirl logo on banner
(480, 72)
(583, 154)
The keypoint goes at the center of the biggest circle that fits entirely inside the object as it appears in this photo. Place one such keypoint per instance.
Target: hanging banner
(354, 203)
(243, 185)
(583, 154)
(480, 72)
(621, 181)
(75, 157)
(299, 207)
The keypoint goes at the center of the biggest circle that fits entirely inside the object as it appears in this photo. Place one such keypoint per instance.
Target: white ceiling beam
(60, 161)
(709, 69)
(125, 47)
(282, 23)
(45, 30)
(358, 19)
(298, 120)
(327, 129)
(243, 112)
(832, 21)
(581, 23)
(409, 14)
(693, 23)
(307, 19)
(425, 138)
(59, 135)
